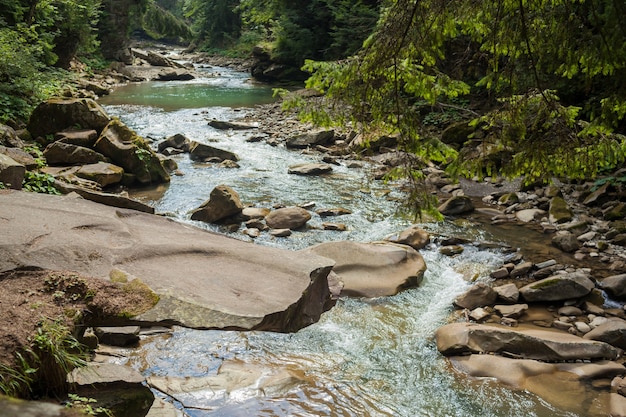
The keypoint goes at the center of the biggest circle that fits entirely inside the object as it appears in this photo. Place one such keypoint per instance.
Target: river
(365, 357)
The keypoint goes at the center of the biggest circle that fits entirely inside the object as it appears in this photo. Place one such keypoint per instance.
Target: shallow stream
(365, 357)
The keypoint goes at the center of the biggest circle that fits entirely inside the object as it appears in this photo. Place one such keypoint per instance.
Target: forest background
(540, 84)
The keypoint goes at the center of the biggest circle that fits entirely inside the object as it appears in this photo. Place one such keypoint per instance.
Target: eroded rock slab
(233, 379)
(562, 384)
(373, 269)
(204, 280)
(463, 338)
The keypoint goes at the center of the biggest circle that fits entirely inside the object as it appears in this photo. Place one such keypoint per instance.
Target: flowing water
(365, 357)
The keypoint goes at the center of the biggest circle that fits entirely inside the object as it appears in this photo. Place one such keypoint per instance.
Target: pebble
(582, 327)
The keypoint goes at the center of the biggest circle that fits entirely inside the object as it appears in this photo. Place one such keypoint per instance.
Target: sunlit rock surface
(204, 280)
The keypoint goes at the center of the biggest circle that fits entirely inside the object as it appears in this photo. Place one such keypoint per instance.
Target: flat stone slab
(462, 338)
(233, 379)
(566, 385)
(204, 280)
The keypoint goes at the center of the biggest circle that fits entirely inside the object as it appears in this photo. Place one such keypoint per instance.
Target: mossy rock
(58, 114)
(457, 133)
(559, 211)
(618, 212)
(130, 151)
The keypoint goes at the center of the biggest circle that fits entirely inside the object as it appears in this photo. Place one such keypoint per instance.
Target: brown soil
(30, 297)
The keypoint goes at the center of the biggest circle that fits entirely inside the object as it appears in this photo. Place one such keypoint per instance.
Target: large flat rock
(565, 385)
(204, 280)
(544, 345)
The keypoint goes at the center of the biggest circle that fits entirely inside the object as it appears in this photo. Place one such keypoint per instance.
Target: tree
(35, 34)
(553, 73)
(216, 22)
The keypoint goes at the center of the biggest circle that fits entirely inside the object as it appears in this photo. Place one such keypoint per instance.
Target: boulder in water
(224, 202)
(314, 137)
(288, 218)
(456, 205)
(203, 280)
(544, 345)
(200, 152)
(130, 151)
(373, 269)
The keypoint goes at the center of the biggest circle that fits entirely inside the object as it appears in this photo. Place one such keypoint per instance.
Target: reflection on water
(229, 89)
(364, 358)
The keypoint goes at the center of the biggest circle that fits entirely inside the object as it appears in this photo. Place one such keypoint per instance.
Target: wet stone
(118, 336)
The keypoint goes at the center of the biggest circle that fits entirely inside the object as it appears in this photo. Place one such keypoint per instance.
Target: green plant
(2, 186)
(17, 381)
(35, 151)
(612, 180)
(144, 155)
(95, 63)
(87, 406)
(55, 352)
(39, 183)
(68, 287)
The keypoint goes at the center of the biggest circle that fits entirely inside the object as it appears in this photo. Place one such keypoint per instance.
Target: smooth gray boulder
(223, 202)
(177, 141)
(226, 125)
(613, 332)
(414, 236)
(204, 280)
(60, 153)
(529, 215)
(310, 169)
(507, 292)
(103, 173)
(373, 269)
(543, 345)
(314, 137)
(201, 152)
(456, 205)
(11, 172)
(615, 286)
(558, 287)
(288, 218)
(478, 295)
(566, 241)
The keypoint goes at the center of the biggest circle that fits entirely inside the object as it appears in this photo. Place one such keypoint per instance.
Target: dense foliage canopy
(36, 34)
(295, 31)
(546, 79)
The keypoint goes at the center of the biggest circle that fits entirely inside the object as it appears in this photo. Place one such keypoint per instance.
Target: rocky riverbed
(549, 320)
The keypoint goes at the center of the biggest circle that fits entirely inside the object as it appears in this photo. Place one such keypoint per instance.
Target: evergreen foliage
(216, 22)
(160, 23)
(35, 35)
(295, 31)
(552, 74)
